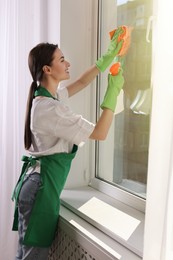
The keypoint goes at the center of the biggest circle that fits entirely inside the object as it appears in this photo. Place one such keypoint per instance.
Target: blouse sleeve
(62, 93)
(53, 117)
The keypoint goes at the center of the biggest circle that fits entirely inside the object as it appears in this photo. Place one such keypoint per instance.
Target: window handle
(150, 20)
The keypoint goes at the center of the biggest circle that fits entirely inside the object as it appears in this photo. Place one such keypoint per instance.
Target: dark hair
(40, 55)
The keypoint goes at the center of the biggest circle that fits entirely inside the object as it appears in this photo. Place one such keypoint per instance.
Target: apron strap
(28, 162)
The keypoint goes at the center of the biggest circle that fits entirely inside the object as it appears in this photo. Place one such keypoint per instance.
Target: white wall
(77, 41)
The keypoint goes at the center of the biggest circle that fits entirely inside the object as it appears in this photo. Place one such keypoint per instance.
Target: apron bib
(44, 217)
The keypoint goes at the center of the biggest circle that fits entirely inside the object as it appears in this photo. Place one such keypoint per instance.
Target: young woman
(52, 135)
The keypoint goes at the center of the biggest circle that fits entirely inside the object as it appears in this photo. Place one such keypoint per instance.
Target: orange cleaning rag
(125, 36)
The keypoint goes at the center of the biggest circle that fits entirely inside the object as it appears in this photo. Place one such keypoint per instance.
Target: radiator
(65, 248)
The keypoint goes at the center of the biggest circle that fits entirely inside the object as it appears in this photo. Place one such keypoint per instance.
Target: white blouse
(55, 127)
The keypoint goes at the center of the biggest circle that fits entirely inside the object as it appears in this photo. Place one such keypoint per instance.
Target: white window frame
(119, 194)
(96, 183)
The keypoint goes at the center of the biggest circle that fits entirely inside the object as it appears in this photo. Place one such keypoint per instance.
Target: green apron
(43, 221)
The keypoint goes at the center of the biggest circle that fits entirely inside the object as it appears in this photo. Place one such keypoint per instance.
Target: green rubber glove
(115, 84)
(113, 49)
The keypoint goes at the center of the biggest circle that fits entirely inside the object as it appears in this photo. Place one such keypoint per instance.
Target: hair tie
(35, 84)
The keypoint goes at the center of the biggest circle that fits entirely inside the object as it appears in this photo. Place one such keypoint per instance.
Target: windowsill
(126, 226)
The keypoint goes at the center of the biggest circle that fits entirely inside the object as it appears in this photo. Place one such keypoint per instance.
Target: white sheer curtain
(23, 24)
(158, 240)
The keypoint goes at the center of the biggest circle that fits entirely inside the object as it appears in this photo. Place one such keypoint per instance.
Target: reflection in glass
(132, 121)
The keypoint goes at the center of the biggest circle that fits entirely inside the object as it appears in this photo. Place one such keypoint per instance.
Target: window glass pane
(123, 157)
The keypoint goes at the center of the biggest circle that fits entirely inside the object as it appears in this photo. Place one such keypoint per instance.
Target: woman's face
(59, 66)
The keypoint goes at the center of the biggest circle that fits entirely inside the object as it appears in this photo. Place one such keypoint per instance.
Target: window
(92, 203)
(122, 160)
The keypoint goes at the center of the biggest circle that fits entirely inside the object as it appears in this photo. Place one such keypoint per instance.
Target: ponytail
(40, 55)
(27, 131)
